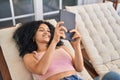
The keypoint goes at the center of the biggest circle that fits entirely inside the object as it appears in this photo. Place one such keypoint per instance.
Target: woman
(45, 55)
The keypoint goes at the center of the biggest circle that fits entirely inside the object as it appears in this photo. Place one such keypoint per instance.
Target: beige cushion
(15, 64)
(11, 54)
(99, 26)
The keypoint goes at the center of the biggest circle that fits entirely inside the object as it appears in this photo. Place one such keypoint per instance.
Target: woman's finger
(75, 37)
(62, 28)
(59, 23)
(62, 35)
(76, 34)
(73, 30)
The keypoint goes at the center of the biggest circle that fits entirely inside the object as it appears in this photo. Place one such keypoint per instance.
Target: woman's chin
(46, 40)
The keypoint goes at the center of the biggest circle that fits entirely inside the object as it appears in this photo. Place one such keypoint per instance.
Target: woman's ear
(33, 39)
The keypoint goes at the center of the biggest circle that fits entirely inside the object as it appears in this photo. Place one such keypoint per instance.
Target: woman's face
(42, 34)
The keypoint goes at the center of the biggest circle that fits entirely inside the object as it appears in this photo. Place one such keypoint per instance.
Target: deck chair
(11, 65)
(99, 26)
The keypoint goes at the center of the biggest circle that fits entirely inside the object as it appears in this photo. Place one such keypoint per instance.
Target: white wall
(38, 7)
(80, 2)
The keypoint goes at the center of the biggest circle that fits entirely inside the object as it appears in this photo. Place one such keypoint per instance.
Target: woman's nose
(46, 32)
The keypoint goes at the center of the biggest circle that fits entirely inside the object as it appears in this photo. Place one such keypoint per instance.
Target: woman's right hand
(59, 32)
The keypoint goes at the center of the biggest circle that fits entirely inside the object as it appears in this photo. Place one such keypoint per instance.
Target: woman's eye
(48, 30)
(41, 30)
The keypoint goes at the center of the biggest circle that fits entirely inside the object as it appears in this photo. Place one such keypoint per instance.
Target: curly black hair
(25, 33)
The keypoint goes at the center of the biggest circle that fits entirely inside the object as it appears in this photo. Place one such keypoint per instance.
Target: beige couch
(99, 26)
(15, 63)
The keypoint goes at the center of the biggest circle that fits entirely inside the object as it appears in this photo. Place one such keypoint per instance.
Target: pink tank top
(61, 62)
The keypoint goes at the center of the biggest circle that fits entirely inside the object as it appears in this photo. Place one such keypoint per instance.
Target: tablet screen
(69, 22)
(68, 18)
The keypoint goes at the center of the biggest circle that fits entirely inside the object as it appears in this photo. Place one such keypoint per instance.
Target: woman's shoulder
(28, 56)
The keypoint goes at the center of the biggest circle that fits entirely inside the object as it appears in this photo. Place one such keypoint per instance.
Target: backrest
(99, 26)
(11, 55)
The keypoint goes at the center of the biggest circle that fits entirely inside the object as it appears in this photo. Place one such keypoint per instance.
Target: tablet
(69, 22)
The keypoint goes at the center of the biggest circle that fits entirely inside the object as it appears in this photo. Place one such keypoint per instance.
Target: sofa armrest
(3, 67)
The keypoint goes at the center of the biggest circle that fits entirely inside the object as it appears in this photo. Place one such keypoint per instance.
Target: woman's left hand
(76, 38)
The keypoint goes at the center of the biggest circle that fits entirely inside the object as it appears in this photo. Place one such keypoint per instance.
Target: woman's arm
(39, 66)
(78, 58)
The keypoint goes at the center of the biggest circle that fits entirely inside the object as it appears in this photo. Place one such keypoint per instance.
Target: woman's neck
(42, 47)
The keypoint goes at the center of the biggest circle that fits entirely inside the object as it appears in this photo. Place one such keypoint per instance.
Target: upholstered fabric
(14, 62)
(99, 26)
(11, 55)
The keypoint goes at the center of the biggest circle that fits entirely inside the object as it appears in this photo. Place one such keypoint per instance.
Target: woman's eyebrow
(43, 28)
(40, 28)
